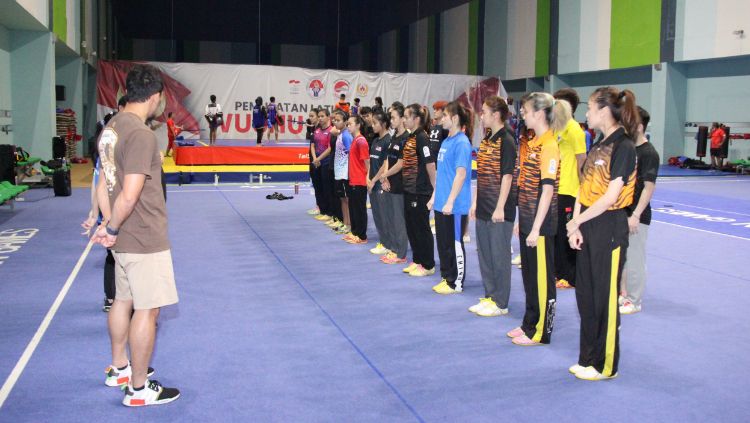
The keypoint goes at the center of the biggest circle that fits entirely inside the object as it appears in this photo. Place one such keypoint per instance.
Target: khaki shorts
(145, 279)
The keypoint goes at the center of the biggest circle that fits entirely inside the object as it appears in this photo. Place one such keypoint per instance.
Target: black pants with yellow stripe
(598, 271)
(538, 273)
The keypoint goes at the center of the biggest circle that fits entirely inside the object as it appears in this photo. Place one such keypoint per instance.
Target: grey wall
(33, 93)
(6, 102)
(495, 38)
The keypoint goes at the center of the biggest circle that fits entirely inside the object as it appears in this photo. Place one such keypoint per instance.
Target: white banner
(188, 87)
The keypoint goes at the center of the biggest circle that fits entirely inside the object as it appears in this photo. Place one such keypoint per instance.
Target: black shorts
(341, 188)
(716, 152)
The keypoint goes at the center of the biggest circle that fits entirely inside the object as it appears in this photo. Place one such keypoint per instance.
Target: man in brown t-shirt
(137, 236)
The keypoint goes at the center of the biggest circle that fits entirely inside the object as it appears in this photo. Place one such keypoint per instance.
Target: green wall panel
(635, 32)
(60, 19)
(541, 60)
(474, 28)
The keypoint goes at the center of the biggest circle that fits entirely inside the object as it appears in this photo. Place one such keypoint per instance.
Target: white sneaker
(480, 305)
(118, 377)
(379, 249)
(629, 308)
(516, 260)
(491, 309)
(151, 394)
(574, 369)
(590, 373)
(467, 238)
(620, 300)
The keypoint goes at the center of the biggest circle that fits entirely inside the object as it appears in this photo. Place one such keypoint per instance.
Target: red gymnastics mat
(230, 155)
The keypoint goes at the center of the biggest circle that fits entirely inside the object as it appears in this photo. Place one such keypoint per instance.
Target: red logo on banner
(341, 86)
(316, 88)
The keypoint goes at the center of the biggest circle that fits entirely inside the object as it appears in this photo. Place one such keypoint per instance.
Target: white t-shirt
(213, 109)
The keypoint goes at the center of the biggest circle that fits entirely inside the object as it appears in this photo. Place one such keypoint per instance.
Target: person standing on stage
(418, 173)
(538, 179)
(451, 199)
(215, 118)
(172, 132)
(379, 105)
(273, 119)
(493, 209)
(571, 142)
(260, 114)
(342, 105)
(599, 229)
(639, 220)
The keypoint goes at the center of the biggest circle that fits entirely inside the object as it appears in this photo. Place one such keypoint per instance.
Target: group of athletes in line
(578, 214)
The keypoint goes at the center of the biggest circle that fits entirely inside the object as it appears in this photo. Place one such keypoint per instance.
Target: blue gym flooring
(280, 320)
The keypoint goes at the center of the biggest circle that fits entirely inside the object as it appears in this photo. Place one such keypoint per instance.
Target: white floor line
(701, 230)
(702, 208)
(10, 382)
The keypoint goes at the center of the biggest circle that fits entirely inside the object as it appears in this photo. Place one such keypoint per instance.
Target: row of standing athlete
(594, 203)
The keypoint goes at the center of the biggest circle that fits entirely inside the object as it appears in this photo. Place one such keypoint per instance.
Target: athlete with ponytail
(452, 198)
(418, 173)
(599, 229)
(538, 179)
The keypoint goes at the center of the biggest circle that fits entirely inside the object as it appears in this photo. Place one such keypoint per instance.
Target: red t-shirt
(717, 137)
(170, 129)
(358, 153)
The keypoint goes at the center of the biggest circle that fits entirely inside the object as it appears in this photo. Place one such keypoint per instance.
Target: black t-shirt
(310, 135)
(647, 171)
(417, 154)
(437, 135)
(378, 152)
(395, 153)
(495, 159)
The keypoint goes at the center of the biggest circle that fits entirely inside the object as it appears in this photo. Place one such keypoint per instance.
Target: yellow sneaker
(410, 267)
(323, 217)
(379, 249)
(480, 305)
(420, 271)
(443, 289)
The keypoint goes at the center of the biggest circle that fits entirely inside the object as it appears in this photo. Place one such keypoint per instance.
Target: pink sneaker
(515, 333)
(524, 341)
(393, 260)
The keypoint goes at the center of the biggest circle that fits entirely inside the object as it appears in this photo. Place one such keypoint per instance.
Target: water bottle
(296, 187)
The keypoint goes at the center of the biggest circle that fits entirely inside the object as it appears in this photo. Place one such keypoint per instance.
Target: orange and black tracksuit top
(539, 164)
(609, 159)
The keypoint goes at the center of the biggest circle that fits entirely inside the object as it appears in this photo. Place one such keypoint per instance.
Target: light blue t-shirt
(341, 155)
(455, 152)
